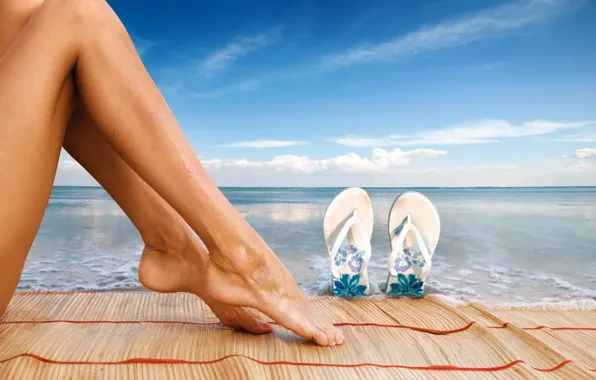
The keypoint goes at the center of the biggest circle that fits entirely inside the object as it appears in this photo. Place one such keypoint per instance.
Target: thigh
(30, 142)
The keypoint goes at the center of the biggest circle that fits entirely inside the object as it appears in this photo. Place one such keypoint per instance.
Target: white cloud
(452, 33)
(459, 169)
(541, 172)
(71, 173)
(585, 153)
(383, 168)
(142, 45)
(486, 24)
(484, 131)
(380, 161)
(264, 144)
(69, 164)
(243, 86)
(582, 137)
(583, 160)
(223, 58)
(306, 172)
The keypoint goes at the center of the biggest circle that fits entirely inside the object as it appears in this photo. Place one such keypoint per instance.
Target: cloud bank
(582, 161)
(380, 161)
(264, 144)
(488, 23)
(224, 57)
(484, 131)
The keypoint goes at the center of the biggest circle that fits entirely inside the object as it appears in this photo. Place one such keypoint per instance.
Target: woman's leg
(168, 238)
(170, 245)
(173, 260)
(31, 132)
(129, 110)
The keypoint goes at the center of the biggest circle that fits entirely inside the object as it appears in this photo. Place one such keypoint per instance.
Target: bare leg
(31, 133)
(129, 110)
(173, 260)
(170, 244)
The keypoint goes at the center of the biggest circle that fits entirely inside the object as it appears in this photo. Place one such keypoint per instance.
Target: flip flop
(347, 227)
(414, 228)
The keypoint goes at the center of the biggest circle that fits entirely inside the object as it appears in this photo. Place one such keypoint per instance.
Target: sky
(382, 93)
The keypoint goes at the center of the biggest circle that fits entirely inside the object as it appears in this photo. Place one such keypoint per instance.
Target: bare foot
(253, 276)
(171, 272)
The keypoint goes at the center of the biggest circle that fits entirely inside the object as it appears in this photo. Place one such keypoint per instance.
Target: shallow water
(525, 247)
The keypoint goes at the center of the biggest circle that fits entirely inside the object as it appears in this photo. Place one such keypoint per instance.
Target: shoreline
(579, 304)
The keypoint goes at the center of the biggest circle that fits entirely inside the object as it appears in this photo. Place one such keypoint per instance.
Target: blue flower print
(341, 257)
(348, 286)
(402, 263)
(408, 286)
(345, 251)
(356, 261)
(416, 257)
(414, 252)
(351, 249)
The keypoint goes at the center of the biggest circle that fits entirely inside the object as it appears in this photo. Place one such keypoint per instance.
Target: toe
(330, 337)
(334, 335)
(320, 337)
(339, 335)
(300, 318)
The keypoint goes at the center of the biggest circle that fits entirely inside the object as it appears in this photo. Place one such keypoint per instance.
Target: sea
(505, 247)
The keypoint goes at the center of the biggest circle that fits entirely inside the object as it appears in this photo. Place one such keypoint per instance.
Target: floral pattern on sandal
(407, 286)
(350, 261)
(406, 283)
(348, 286)
(403, 263)
(411, 255)
(349, 253)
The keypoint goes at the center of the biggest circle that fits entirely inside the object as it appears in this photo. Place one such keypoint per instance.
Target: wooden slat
(150, 336)
(237, 368)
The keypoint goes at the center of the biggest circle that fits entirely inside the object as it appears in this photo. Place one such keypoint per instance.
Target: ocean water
(527, 247)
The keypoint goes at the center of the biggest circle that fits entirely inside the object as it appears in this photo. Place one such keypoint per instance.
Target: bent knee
(19, 9)
(14, 15)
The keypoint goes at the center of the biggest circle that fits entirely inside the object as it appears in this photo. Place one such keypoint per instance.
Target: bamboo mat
(142, 335)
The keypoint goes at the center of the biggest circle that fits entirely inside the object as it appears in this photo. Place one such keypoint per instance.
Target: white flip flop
(347, 227)
(414, 229)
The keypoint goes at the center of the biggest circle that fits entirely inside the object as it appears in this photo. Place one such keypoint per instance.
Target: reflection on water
(91, 208)
(497, 245)
(286, 213)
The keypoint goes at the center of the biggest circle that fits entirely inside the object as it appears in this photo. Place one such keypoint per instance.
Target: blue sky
(384, 93)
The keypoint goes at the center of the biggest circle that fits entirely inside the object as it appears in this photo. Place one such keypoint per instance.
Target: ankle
(174, 242)
(238, 237)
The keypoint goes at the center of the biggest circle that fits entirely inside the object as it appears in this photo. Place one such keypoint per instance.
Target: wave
(491, 286)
